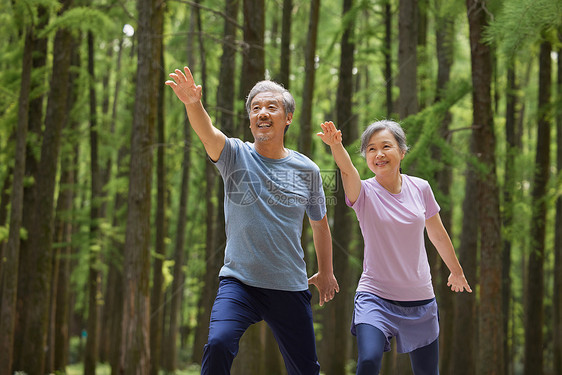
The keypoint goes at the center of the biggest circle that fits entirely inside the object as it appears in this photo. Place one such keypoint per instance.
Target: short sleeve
(431, 205)
(316, 206)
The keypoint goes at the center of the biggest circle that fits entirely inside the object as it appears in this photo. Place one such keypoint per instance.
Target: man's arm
(324, 280)
(190, 94)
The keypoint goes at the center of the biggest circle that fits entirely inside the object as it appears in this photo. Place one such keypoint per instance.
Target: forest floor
(105, 369)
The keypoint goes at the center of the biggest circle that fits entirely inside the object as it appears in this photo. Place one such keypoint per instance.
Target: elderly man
(268, 189)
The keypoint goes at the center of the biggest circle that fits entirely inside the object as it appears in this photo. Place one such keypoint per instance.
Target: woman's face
(383, 154)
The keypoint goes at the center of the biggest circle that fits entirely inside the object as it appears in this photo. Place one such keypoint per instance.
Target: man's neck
(271, 151)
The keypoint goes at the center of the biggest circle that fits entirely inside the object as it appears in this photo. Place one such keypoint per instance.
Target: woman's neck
(393, 184)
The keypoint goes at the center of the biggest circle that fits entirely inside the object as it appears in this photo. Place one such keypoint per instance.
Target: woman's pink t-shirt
(395, 264)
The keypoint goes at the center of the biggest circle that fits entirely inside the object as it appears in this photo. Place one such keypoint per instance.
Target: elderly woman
(395, 295)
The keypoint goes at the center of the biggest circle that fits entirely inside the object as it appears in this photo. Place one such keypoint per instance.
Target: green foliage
(422, 131)
(83, 19)
(522, 23)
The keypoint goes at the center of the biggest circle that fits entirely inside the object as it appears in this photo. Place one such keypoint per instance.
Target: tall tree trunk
(253, 55)
(106, 334)
(35, 123)
(557, 300)
(285, 58)
(534, 317)
(465, 331)
(388, 56)
(407, 58)
(35, 307)
(115, 276)
(509, 186)
(91, 353)
(10, 278)
(444, 30)
(170, 343)
(63, 235)
(135, 356)
(305, 139)
(335, 348)
(490, 358)
(250, 359)
(157, 297)
(59, 337)
(423, 58)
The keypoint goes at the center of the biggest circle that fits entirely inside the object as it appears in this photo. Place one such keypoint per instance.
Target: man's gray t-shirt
(264, 205)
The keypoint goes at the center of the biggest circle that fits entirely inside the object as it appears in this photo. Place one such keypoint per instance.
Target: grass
(105, 369)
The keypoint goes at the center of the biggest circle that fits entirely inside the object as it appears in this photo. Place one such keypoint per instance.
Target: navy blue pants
(288, 314)
(370, 347)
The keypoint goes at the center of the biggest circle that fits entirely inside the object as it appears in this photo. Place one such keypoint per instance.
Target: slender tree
(534, 317)
(387, 52)
(444, 35)
(464, 340)
(253, 54)
(91, 353)
(135, 355)
(557, 300)
(335, 348)
(407, 57)
(64, 227)
(305, 139)
(9, 279)
(509, 187)
(490, 356)
(36, 301)
(157, 296)
(285, 57)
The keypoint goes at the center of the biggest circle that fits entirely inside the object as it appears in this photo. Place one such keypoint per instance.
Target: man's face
(268, 118)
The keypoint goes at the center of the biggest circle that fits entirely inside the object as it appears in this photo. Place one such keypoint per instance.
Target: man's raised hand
(184, 86)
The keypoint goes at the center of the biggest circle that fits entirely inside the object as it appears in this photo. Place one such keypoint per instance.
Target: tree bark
(388, 56)
(91, 353)
(407, 58)
(557, 300)
(510, 175)
(490, 356)
(135, 355)
(534, 317)
(35, 307)
(253, 55)
(10, 278)
(157, 297)
(465, 329)
(285, 57)
(335, 348)
(444, 30)
(305, 139)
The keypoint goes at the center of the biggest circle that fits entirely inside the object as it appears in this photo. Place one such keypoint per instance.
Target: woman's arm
(440, 239)
(350, 177)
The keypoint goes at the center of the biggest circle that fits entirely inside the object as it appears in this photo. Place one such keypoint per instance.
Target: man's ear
(289, 119)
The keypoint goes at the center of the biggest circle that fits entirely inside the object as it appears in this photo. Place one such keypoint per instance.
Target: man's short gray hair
(273, 87)
(389, 125)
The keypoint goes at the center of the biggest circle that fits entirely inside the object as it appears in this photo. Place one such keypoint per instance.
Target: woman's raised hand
(330, 135)
(184, 86)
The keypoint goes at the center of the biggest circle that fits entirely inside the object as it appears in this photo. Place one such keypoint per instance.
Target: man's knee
(221, 345)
